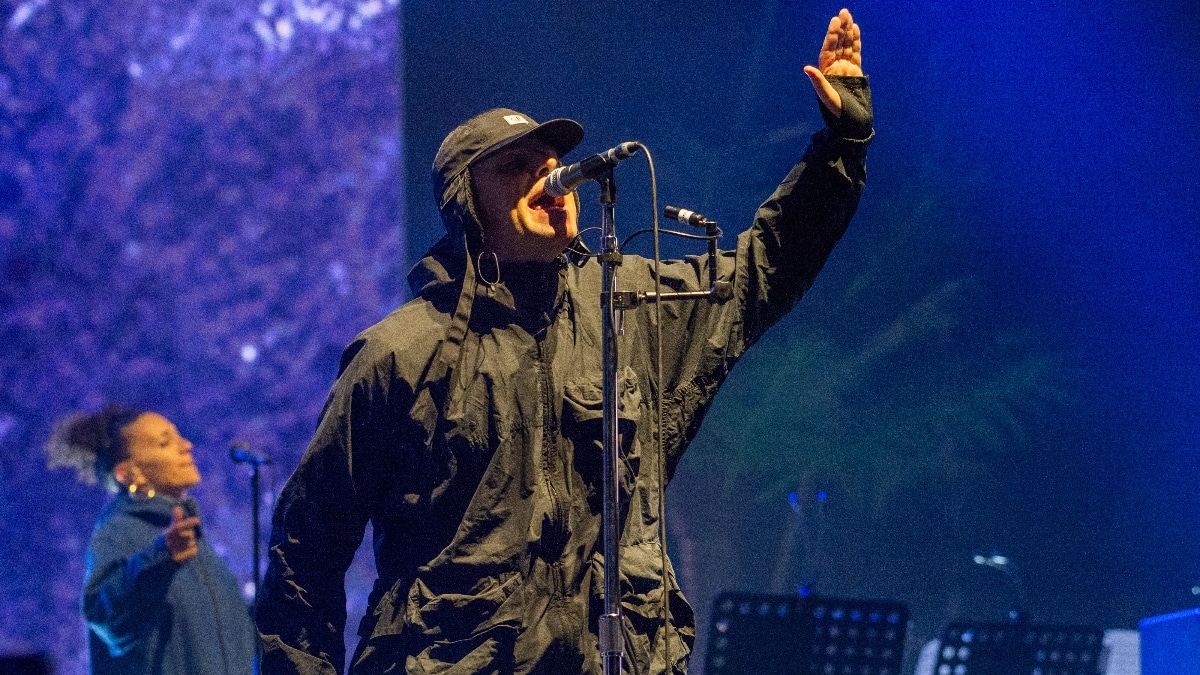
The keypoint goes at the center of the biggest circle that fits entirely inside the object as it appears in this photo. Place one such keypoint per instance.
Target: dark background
(1000, 357)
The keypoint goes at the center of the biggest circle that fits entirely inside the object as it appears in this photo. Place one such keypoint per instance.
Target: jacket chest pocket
(583, 424)
(474, 418)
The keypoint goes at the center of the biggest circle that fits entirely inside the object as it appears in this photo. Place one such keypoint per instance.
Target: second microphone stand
(241, 453)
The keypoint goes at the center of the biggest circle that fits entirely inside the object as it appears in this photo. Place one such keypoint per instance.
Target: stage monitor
(1171, 643)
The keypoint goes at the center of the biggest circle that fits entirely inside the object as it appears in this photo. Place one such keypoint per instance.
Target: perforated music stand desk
(768, 634)
(1020, 649)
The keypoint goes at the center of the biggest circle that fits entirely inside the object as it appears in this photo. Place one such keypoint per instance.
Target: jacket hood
(440, 270)
(448, 266)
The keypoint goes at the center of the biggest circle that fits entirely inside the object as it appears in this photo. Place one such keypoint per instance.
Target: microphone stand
(612, 638)
(240, 453)
(255, 496)
(1018, 614)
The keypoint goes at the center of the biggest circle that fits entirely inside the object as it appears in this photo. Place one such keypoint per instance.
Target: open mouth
(546, 202)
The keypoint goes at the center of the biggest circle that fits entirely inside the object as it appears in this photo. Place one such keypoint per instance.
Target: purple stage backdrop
(199, 206)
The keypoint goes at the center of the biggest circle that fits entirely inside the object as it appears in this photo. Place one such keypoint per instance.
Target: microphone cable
(664, 609)
(664, 603)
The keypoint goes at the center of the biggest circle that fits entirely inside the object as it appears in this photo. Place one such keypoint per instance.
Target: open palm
(841, 54)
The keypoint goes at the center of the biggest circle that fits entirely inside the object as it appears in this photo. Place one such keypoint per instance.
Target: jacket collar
(158, 508)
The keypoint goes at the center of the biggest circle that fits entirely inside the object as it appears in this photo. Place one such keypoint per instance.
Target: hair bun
(92, 444)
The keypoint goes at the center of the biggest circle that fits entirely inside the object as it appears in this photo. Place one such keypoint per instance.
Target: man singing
(466, 426)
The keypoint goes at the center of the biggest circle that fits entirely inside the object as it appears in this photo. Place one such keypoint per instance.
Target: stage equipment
(565, 179)
(611, 639)
(1005, 565)
(1020, 649)
(769, 634)
(686, 217)
(1171, 643)
(240, 453)
(612, 303)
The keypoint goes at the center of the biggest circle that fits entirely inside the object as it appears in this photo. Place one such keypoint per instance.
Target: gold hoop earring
(479, 269)
(136, 492)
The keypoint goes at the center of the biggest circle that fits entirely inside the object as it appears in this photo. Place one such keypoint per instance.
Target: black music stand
(1020, 649)
(769, 634)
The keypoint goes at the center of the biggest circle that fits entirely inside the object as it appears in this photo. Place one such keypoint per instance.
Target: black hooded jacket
(466, 426)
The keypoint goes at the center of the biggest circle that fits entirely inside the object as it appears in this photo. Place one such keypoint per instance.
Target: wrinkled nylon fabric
(466, 428)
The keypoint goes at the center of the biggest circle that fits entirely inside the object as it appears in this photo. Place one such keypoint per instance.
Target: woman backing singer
(157, 598)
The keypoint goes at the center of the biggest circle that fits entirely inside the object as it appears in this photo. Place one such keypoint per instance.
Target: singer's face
(520, 221)
(160, 456)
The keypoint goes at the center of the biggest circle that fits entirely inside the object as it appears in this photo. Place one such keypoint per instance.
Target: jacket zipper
(549, 451)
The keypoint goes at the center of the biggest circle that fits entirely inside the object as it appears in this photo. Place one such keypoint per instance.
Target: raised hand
(841, 54)
(180, 536)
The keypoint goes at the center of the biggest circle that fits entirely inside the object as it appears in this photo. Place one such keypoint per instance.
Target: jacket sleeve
(123, 591)
(796, 228)
(319, 520)
(775, 262)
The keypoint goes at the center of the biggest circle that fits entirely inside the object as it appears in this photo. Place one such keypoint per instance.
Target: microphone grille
(554, 186)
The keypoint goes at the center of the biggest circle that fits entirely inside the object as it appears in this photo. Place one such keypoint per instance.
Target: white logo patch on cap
(515, 119)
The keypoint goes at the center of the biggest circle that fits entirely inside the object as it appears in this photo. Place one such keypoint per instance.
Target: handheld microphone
(565, 179)
(190, 510)
(686, 217)
(239, 452)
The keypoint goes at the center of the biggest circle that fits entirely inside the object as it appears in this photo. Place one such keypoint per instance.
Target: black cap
(489, 131)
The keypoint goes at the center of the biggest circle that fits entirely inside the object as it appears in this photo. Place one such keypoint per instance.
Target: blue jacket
(148, 614)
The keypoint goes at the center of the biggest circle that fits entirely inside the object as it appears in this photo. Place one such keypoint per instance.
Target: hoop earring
(133, 492)
(479, 269)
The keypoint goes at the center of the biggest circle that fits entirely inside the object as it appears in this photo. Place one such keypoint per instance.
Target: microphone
(563, 180)
(239, 452)
(686, 217)
(190, 510)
